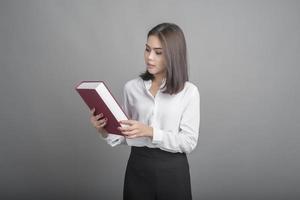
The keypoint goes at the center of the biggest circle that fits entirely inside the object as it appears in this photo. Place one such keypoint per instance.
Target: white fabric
(175, 118)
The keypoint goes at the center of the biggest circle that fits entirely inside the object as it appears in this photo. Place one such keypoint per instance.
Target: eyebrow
(153, 48)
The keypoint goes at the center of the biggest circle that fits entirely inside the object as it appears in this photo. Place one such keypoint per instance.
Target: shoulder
(133, 84)
(191, 88)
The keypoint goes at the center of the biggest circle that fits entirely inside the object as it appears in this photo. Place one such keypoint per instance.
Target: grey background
(243, 56)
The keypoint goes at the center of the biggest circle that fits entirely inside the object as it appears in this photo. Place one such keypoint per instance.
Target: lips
(150, 65)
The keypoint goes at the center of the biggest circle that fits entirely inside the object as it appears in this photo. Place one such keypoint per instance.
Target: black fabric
(154, 174)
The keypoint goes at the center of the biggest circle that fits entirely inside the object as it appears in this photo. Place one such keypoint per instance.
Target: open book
(96, 95)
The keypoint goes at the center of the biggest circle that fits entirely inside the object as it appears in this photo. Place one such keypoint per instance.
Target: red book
(96, 95)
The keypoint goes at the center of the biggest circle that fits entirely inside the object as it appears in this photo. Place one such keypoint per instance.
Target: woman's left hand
(135, 129)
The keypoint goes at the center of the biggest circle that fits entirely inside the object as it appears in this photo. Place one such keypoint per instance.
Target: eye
(148, 50)
(158, 52)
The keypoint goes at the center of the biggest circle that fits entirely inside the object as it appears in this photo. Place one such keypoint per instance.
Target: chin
(151, 71)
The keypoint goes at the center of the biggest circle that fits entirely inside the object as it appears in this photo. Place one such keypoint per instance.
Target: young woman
(164, 111)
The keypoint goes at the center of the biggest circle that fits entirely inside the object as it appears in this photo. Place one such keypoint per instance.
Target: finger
(98, 122)
(92, 111)
(93, 119)
(128, 122)
(101, 121)
(101, 125)
(133, 136)
(130, 133)
(97, 117)
(125, 128)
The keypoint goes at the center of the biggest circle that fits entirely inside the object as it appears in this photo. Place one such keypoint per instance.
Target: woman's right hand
(99, 122)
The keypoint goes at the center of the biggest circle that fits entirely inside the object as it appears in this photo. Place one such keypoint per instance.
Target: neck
(158, 78)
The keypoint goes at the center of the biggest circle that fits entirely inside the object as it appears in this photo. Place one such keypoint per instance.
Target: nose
(151, 55)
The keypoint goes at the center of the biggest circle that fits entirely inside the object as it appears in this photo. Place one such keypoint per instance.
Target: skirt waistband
(154, 153)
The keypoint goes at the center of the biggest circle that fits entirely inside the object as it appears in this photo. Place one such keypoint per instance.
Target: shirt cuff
(157, 136)
(113, 139)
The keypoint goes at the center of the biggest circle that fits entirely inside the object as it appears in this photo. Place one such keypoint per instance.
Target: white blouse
(175, 118)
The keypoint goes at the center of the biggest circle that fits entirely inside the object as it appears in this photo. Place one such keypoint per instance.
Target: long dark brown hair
(174, 50)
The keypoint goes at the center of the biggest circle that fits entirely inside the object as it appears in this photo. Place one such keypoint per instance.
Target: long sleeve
(185, 139)
(113, 139)
(175, 118)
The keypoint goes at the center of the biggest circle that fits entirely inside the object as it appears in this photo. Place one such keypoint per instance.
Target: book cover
(97, 95)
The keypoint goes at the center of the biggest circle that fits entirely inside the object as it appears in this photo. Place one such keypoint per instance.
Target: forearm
(172, 141)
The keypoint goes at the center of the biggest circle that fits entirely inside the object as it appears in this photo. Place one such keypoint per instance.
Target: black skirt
(154, 174)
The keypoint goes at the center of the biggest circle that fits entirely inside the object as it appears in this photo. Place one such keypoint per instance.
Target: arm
(185, 140)
(99, 122)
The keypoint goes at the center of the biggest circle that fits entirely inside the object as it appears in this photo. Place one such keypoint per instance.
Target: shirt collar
(148, 83)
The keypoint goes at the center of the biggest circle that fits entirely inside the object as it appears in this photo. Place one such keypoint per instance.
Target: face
(154, 58)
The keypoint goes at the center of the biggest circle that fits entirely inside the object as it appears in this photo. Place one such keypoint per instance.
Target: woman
(164, 109)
